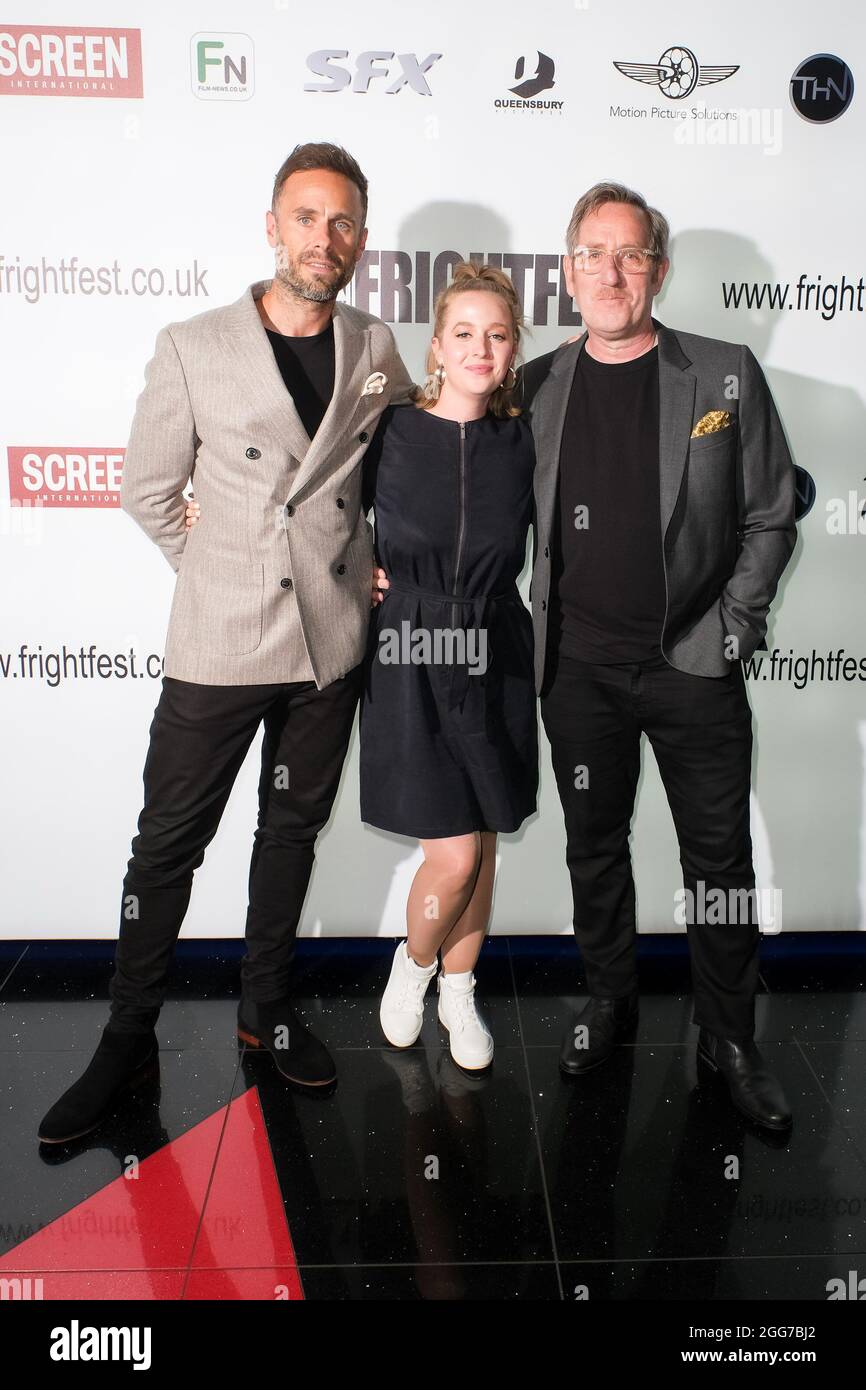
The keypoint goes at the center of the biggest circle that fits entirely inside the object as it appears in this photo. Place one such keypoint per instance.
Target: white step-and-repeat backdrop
(139, 144)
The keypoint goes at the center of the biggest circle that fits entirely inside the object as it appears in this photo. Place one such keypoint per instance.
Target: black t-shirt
(607, 595)
(307, 367)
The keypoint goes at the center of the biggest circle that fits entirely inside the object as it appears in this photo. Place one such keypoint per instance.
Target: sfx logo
(677, 73)
(412, 71)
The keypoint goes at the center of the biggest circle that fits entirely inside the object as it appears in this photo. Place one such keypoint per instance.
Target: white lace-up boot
(468, 1036)
(401, 1011)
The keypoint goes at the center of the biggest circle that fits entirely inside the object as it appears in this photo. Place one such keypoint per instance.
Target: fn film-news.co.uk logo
(222, 67)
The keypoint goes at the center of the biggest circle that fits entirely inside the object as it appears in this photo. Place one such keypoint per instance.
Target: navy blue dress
(449, 740)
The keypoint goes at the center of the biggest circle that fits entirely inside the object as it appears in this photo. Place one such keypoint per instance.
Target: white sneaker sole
(465, 1065)
(400, 1042)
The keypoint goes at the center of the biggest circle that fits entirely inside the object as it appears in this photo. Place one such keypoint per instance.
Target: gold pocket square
(711, 422)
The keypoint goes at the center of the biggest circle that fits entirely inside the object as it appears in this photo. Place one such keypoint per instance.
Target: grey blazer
(727, 498)
(273, 583)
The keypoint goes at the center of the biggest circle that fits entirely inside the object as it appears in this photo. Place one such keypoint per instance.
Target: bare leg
(462, 946)
(440, 892)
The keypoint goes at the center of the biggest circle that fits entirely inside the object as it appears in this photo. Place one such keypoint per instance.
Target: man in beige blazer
(267, 405)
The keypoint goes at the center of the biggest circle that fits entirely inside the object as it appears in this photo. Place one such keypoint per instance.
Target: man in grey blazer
(664, 494)
(267, 405)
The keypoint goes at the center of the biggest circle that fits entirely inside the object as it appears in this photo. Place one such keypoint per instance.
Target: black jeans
(700, 729)
(199, 738)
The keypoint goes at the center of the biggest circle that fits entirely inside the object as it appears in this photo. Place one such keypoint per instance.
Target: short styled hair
(322, 156)
(602, 193)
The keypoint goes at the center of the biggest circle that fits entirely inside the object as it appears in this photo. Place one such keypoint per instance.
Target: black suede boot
(121, 1062)
(607, 1021)
(298, 1055)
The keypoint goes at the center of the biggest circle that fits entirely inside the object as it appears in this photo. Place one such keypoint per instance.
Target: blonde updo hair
(472, 275)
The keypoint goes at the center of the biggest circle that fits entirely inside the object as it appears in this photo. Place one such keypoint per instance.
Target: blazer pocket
(705, 442)
(220, 604)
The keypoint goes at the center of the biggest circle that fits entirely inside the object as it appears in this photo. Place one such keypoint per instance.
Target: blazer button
(546, 552)
(340, 503)
(363, 436)
(253, 453)
(341, 569)
(285, 583)
(290, 511)
(543, 604)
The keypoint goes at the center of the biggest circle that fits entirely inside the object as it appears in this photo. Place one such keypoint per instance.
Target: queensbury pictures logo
(531, 76)
(221, 67)
(399, 70)
(49, 61)
(677, 73)
(822, 88)
(540, 81)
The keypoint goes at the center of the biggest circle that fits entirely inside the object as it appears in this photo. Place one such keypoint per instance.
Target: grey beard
(290, 278)
(305, 291)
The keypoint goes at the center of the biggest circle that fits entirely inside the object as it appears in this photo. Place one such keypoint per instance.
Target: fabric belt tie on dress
(475, 620)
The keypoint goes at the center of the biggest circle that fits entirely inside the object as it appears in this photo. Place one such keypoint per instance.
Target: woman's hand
(193, 513)
(380, 581)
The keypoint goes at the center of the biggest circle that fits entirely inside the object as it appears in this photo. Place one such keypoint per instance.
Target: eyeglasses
(633, 260)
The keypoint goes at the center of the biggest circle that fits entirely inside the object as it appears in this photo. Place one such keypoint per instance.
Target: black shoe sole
(581, 1071)
(777, 1126)
(144, 1072)
(248, 1037)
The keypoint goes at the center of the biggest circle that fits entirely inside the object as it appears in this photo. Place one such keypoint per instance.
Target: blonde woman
(449, 750)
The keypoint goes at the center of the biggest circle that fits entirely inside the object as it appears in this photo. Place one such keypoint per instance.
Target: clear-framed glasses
(633, 260)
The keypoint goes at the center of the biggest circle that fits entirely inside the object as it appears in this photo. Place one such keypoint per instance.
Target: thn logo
(822, 88)
(221, 67)
(367, 66)
(805, 492)
(677, 73)
(541, 81)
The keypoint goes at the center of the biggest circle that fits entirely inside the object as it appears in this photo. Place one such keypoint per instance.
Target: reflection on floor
(413, 1179)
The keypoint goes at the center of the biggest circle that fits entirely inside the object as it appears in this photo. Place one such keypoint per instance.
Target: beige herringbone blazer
(273, 583)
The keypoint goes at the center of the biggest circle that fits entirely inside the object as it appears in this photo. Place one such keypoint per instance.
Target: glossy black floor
(414, 1181)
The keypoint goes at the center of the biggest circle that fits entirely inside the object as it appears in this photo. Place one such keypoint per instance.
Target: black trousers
(199, 738)
(700, 730)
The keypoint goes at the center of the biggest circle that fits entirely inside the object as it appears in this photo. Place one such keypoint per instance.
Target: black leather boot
(753, 1088)
(607, 1021)
(121, 1062)
(299, 1056)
